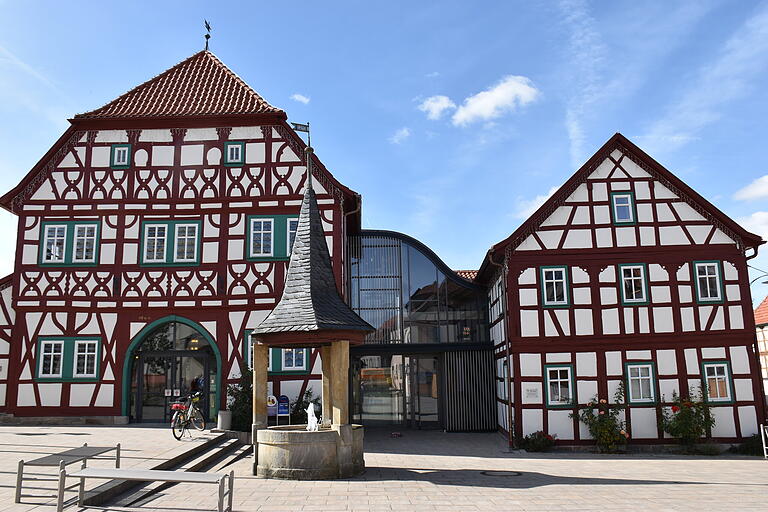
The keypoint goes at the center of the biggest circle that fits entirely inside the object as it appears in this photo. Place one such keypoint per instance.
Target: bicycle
(187, 413)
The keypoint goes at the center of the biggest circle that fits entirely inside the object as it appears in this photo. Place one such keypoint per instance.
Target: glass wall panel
(409, 296)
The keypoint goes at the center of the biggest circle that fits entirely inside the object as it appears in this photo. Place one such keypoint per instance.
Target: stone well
(292, 452)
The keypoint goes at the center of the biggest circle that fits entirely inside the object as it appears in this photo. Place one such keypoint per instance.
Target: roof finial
(208, 35)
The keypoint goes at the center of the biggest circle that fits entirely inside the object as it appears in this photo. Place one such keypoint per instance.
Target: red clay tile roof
(469, 275)
(198, 86)
(761, 313)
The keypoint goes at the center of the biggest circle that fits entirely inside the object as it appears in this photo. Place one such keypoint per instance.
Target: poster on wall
(271, 405)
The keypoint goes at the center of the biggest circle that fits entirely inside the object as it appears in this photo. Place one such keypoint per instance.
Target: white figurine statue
(311, 418)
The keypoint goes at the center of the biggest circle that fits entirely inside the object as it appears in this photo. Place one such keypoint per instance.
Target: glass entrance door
(163, 378)
(424, 392)
(396, 390)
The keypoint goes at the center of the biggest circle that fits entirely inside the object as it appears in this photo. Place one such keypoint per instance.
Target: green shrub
(240, 401)
(689, 419)
(752, 446)
(602, 421)
(537, 442)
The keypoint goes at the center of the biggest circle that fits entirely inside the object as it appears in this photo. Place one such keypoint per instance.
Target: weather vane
(208, 35)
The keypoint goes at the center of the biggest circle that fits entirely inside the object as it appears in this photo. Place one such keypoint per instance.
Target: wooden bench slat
(148, 475)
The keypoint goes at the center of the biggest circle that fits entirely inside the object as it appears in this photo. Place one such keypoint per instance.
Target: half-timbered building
(624, 278)
(761, 331)
(152, 237)
(155, 234)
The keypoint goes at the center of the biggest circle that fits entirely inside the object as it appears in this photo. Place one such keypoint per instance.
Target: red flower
(602, 412)
(675, 408)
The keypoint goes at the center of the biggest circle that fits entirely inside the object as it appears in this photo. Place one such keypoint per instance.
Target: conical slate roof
(310, 301)
(198, 86)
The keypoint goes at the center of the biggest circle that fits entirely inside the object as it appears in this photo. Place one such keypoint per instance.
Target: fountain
(310, 313)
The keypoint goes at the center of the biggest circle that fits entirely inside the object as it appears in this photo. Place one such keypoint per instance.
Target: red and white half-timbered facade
(624, 275)
(166, 206)
(155, 234)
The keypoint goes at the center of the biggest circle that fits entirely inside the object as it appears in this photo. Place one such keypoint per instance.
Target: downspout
(508, 378)
(345, 242)
(756, 346)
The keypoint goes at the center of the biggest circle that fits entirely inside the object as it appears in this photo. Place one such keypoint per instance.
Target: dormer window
(623, 208)
(120, 156)
(234, 153)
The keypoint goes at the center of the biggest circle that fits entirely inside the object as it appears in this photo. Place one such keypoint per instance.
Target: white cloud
(435, 106)
(511, 92)
(300, 98)
(432, 74)
(742, 58)
(758, 189)
(400, 135)
(756, 223)
(592, 82)
(526, 207)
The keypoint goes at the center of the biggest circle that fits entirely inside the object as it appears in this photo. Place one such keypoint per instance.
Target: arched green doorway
(162, 362)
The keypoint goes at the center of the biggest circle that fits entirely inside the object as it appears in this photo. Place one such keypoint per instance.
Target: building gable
(665, 212)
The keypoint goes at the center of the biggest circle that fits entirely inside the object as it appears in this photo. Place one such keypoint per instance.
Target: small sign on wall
(531, 393)
(167, 392)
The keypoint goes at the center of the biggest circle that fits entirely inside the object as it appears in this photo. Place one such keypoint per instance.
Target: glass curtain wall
(409, 296)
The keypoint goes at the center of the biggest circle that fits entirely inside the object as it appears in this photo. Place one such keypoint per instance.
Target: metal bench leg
(221, 493)
(19, 479)
(81, 489)
(117, 457)
(62, 486)
(231, 489)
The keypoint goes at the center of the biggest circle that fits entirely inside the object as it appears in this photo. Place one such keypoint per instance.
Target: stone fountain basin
(291, 452)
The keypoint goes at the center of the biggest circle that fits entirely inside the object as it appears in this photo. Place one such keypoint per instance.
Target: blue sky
(452, 119)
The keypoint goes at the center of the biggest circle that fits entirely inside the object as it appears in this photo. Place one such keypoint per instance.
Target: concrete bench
(223, 480)
(62, 460)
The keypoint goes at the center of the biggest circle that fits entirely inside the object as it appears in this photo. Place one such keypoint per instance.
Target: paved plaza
(427, 471)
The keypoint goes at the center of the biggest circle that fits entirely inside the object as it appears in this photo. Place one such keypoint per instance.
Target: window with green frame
(120, 156)
(288, 361)
(270, 237)
(234, 153)
(69, 243)
(633, 283)
(708, 279)
(170, 242)
(641, 382)
(560, 389)
(717, 381)
(554, 286)
(623, 209)
(68, 359)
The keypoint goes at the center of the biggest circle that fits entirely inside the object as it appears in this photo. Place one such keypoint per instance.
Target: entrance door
(423, 392)
(165, 377)
(396, 390)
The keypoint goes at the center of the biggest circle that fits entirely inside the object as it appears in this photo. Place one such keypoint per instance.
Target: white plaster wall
(560, 424)
(643, 423)
(533, 421)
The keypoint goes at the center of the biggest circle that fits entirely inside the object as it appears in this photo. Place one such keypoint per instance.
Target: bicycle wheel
(178, 424)
(197, 420)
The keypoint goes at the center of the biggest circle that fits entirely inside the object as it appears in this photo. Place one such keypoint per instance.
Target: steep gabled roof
(761, 313)
(658, 171)
(310, 303)
(198, 86)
